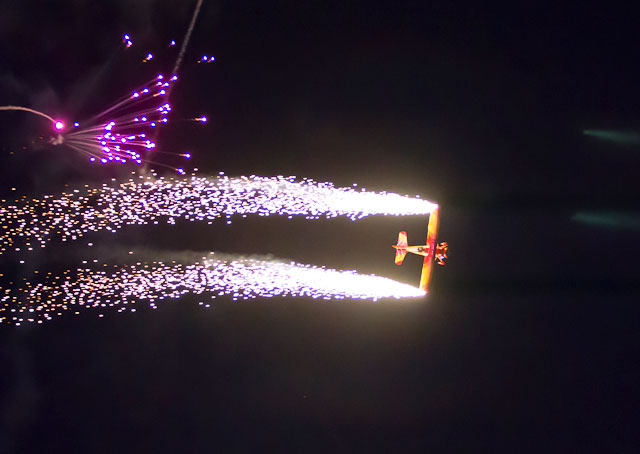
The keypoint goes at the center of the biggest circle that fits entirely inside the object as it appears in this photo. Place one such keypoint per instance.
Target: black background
(528, 340)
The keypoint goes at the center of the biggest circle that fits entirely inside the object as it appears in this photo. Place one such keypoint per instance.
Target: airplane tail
(401, 247)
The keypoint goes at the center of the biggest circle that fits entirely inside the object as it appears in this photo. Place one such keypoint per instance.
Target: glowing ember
(119, 134)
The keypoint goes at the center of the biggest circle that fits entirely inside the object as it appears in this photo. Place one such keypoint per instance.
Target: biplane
(430, 251)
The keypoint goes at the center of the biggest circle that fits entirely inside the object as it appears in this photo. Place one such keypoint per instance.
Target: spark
(176, 66)
(239, 279)
(121, 138)
(34, 222)
(119, 133)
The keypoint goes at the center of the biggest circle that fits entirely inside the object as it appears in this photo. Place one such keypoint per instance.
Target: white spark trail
(242, 278)
(29, 223)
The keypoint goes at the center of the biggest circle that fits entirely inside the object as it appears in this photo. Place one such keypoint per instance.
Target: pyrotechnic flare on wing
(29, 223)
(239, 278)
(430, 251)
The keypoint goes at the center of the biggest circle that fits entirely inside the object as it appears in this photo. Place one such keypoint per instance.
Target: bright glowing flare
(237, 278)
(26, 224)
(119, 134)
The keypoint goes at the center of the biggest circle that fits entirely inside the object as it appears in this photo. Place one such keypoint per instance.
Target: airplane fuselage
(418, 250)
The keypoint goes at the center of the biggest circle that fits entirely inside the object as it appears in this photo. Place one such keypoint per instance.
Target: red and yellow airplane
(430, 251)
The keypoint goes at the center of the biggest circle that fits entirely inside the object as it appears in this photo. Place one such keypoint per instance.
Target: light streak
(187, 37)
(121, 133)
(26, 224)
(33, 111)
(621, 137)
(120, 287)
(176, 66)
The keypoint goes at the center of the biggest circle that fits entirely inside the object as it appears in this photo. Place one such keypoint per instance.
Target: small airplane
(430, 251)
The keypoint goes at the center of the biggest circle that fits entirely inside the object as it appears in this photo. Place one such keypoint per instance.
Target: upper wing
(426, 272)
(432, 230)
(432, 234)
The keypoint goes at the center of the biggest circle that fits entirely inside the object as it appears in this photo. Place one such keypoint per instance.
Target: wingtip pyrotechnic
(28, 224)
(145, 199)
(235, 277)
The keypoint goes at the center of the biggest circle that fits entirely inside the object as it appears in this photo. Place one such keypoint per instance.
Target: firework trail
(239, 278)
(123, 136)
(29, 223)
(176, 66)
(187, 36)
(127, 134)
(37, 112)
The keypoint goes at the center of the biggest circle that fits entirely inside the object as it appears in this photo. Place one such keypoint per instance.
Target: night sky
(529, 337)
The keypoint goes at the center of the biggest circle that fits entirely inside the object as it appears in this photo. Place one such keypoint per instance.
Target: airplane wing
(432, 230)
(432, 233)
(426, 272)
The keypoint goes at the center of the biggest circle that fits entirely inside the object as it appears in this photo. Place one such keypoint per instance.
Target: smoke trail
(187, 36)
(611, 220)
(185, 42)
(629, 138)
(25, 224)
(26, 109)
(240, 278)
